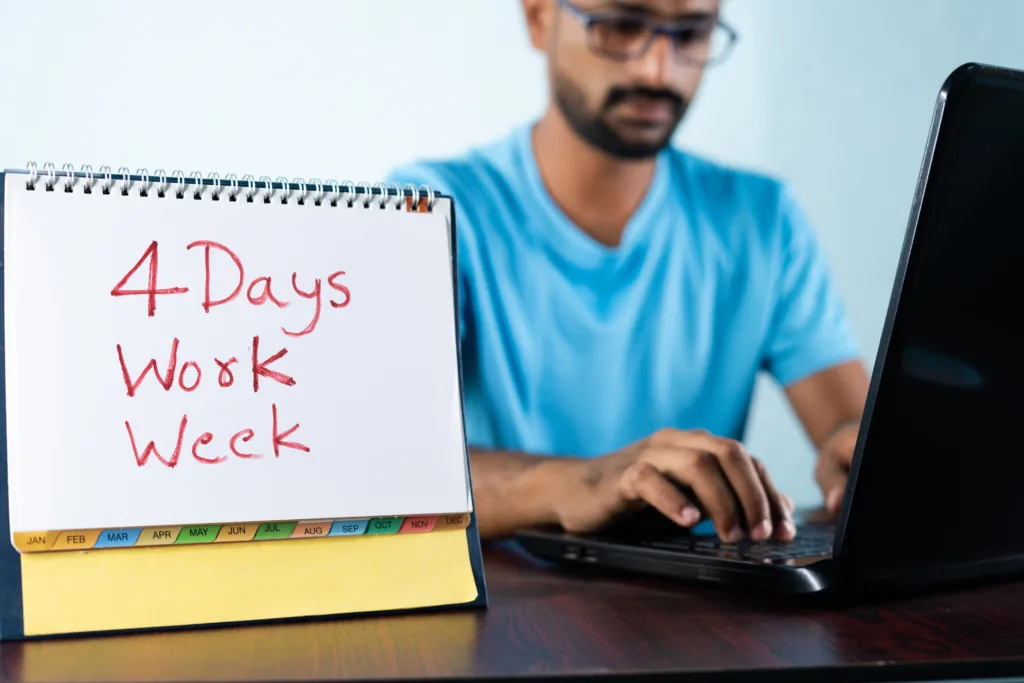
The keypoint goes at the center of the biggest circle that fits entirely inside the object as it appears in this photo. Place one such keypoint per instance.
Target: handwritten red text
(223, 282)
(260, 291)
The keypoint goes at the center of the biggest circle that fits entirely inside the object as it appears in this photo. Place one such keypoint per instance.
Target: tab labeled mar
(117, 538)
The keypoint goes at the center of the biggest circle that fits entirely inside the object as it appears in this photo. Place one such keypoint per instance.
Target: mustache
(617, 95)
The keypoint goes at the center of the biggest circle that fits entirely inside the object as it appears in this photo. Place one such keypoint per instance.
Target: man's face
(622, 87)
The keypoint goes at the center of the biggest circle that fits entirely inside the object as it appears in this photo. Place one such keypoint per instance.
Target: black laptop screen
(941, 478)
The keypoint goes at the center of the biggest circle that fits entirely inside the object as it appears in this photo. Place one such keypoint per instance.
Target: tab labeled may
(197, 534)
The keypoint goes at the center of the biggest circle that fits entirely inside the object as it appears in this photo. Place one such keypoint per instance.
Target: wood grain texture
(549, 621)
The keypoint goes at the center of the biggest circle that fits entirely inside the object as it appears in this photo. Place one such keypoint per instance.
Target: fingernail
(733, 535)
(835, 498)
(788, 530)
(762, 531)
(689, 514)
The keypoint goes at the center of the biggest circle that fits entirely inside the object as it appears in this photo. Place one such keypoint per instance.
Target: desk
(548, 621)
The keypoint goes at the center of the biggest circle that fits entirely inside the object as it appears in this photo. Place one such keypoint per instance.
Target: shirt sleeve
(809, 329)
(423, 174)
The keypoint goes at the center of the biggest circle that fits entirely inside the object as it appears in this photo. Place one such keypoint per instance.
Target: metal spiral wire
(195, 186)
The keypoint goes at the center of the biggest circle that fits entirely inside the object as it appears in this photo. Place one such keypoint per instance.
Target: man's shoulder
(488, 171)
(727, 187)
(749, 210)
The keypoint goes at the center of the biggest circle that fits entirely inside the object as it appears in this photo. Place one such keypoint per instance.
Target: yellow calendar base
(156, 587)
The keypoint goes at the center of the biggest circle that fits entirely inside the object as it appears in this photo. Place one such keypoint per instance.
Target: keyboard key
(811, 541)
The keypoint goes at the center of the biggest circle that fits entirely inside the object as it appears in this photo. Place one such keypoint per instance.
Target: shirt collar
(565, 236)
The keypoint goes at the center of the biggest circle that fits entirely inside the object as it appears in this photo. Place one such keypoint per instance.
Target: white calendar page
(286, 362)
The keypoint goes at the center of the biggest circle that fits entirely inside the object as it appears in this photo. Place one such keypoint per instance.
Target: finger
(743, 478)
(701, 471)
(831, 477)
(644, 482)
(781, 505)
(834, 499)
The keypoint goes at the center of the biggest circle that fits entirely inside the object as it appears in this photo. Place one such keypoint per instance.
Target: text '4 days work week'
(187, 376)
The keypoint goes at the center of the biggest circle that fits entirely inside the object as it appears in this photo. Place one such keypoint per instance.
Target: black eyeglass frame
(589, 19)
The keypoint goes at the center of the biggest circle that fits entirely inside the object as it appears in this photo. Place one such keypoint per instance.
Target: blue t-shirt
(571, 347)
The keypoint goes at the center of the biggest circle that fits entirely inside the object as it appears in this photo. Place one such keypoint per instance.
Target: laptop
(935, 496)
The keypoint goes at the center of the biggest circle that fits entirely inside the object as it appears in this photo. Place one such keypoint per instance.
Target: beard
(593, 126)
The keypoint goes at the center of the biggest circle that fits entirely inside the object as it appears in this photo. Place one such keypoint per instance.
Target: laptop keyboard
(812, 540)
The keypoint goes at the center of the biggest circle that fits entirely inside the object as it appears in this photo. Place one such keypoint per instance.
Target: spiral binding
(213, 187)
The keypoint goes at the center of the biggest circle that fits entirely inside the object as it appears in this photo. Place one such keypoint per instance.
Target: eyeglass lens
(625, 37)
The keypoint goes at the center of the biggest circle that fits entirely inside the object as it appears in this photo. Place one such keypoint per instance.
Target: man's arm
(829, 405)
(811, 349)
(830, 400)
(513, 490)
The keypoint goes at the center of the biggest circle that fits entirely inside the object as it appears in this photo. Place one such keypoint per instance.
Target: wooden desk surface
(545, 621)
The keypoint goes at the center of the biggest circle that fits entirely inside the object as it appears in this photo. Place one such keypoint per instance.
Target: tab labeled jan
(33, 541)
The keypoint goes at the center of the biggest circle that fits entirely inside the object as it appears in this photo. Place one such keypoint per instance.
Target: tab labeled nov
(413, 525)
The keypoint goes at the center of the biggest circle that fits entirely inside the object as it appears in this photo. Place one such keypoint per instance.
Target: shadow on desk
(393, 647)
(550, 620)
(598, 620)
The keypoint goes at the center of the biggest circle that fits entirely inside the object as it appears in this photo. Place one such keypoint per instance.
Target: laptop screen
(941, 474)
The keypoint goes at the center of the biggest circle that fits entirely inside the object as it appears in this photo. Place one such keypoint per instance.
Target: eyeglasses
(703, 41)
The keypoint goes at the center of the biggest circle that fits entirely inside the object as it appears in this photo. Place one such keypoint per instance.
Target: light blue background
(832, 95)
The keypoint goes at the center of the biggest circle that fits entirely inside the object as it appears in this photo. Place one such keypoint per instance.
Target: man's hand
(834, 463)
(730, 485)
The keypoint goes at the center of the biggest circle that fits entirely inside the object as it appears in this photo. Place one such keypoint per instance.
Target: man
(618, 296)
